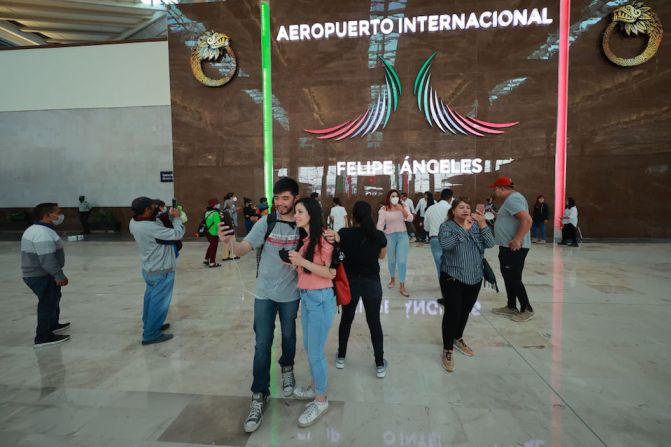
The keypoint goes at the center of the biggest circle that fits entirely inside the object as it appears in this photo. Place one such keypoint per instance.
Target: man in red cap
(511, 229)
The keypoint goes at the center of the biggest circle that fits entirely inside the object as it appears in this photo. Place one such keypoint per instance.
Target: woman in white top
(338, 215)
(391, 219)
(569, 229)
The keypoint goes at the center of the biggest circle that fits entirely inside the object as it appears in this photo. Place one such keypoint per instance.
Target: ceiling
(48, 22)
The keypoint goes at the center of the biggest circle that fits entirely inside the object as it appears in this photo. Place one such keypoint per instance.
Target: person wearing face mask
(158, 265)
(230, 207)
(212, 219)
(391, 219)
(42, 262)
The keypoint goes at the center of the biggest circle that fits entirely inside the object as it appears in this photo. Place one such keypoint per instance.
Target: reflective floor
(593, 368)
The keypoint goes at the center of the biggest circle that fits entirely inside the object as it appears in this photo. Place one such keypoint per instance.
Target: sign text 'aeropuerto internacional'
(418, 24)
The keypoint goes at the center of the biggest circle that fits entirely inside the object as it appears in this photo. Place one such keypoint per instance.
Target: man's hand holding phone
(225, 233)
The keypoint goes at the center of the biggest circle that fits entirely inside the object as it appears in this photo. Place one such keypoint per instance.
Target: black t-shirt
(361, 255)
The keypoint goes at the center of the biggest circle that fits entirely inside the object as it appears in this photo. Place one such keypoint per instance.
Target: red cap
(212, 202)
(502, 181)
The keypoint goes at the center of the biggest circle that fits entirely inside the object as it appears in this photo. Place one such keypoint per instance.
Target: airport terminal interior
(497, 170)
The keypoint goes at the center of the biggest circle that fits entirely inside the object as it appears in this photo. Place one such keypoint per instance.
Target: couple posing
(307, 276)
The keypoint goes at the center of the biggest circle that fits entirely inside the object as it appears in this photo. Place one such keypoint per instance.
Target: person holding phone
(391, 219)
(276, 294)
(433, 219)
(312, 259)
(463, 239)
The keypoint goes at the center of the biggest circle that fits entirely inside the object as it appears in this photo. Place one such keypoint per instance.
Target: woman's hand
(331, 236)
(478, 217)
(296, 259)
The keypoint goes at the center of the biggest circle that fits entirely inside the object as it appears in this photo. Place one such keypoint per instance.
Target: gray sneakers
(255, 416)
(339, 362)
(522, 317)
(288, 381)
(505, 310)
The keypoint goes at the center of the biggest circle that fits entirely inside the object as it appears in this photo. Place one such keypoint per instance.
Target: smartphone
(480, 207)
(228, 220)
(174, 203)
(284, 255)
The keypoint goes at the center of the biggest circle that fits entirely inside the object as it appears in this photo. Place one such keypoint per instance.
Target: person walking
(212, 218)
(512, 235)
(338, 215)
(463, 239)
(158, 265)
(407, 201)
(84, 214)
(276, 293)
(391, 219)
(363, 245)
(231, 209)
(433, 219)
(42, 262)
(541, 215)
(312, 259)
(569, 229)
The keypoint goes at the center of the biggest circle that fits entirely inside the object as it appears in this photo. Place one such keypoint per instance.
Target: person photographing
(463, 238)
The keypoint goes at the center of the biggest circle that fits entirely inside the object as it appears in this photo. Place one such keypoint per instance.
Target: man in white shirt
(420, 211)
(338, 215)
(434, 217)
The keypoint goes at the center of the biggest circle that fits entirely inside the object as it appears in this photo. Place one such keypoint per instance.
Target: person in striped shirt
(463, 238)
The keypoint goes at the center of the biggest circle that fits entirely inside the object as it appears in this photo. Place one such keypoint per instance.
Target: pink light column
(562, 106)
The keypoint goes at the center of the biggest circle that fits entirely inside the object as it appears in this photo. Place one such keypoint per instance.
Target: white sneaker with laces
(381, 371)
(339, 362)
(304, 393)
(313, 411)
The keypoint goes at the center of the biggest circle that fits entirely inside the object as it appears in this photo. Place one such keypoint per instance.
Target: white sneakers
(313, 411)
(340, 362)
(381, 371)
(304, 393)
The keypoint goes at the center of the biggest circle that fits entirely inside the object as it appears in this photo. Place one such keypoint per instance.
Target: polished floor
(592, 369)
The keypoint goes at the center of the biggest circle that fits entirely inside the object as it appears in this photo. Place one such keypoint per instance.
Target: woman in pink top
(312, 259)
(391, 219)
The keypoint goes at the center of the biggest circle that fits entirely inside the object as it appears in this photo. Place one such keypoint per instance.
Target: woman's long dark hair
(316, 228)
(363, 217)
(429, 199)
(571, 202)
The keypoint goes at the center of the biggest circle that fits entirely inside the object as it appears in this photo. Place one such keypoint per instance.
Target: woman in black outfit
(362, 245)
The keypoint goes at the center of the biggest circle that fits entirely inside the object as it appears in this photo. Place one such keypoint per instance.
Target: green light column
(267, 101)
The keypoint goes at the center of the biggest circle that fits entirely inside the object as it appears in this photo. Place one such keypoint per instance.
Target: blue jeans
(317, 313)
(265, 312)
(538, 226)
(157, 297)
(48, 304)
(437, 252)
(398, 245)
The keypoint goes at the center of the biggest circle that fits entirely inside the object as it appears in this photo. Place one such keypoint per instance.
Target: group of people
(297, 266)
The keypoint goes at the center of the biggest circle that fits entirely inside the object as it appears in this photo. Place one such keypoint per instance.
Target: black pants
(84, 220)
(512, 266)
(568, 231)
(370, 292)
(459, 301)
(422, 235)
(48, 305)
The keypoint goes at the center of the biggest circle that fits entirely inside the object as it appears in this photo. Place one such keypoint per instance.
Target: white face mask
(59, 220)
(394, 200)
(235, 199)
(217, 206)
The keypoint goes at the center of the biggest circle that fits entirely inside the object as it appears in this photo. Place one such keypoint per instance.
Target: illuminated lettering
(477, 166)
(409, 25)
(293, 32)
(387, 26)
(520, 17)
(421, 20)
(445, 23)
(466, 166)
(484, 16)
(458, 21)
(363, 28)
(305, 32)
(535, 17)
(351, 28)
(544, 13)
(472, 21)
(317, 31)
(433, 24)
(374, 23)
(505, 18)
(282, 34)
(341, 32)
(329, 29)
